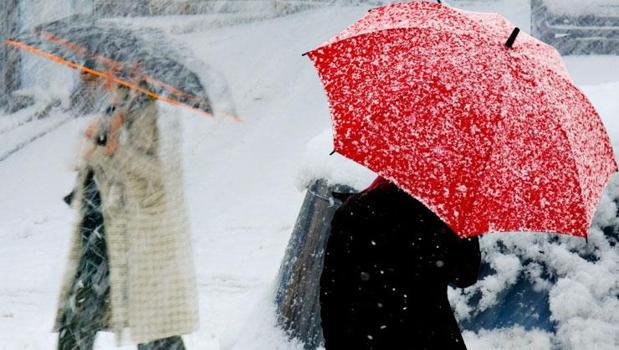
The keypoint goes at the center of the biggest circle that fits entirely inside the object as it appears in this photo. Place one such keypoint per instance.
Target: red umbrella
(490, 133)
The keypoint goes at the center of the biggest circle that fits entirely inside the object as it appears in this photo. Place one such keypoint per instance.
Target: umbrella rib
(361, 34)
(576, 168)
(571, 147)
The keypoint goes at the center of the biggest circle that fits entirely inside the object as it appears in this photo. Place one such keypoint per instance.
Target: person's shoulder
(387, 195)
(377, 199)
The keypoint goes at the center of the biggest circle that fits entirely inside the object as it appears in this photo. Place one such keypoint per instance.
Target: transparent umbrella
(120, 55)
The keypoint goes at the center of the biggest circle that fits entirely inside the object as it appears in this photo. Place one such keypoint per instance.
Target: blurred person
(387, 265)
(130, 266)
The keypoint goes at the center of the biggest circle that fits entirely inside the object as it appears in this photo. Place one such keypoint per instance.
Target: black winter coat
(387, 265)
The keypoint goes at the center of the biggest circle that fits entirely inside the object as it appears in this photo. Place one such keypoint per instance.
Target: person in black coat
(387, 265)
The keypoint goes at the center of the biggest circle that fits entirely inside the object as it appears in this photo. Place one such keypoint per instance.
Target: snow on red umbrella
(481, 124)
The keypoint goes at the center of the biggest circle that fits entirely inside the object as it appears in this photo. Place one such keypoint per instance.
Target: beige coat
(152, 279)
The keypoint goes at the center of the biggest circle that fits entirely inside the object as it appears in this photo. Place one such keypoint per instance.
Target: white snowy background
(244, 184)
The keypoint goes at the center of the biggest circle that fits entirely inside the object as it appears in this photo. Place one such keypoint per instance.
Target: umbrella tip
(510, 41)
(332, 152)
(439, 1)
(305, 53)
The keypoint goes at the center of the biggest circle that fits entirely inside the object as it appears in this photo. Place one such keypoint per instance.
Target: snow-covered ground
(243, 183)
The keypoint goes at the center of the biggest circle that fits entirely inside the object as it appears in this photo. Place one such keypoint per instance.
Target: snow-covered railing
(297, 298)
(577, 28)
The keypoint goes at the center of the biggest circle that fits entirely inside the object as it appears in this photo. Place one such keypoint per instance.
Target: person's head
(139, 104)
(121, 94)
(141, 98)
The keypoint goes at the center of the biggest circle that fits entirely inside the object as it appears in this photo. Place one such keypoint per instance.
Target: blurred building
(9, 59)
(577, 28)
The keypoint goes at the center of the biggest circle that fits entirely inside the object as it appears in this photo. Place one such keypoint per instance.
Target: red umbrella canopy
(491, 138)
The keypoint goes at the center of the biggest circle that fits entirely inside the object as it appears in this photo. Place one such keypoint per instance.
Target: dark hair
(90, 63)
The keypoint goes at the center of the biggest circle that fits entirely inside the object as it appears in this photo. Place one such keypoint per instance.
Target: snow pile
(508, 339)
(335, 168)
(259, 330)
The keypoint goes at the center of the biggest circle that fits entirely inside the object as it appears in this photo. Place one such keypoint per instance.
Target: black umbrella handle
(510, 41)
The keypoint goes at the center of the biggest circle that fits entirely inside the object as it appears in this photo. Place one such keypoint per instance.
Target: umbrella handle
(510, 41)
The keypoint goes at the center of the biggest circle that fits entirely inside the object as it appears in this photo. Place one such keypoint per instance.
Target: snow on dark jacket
(388, 262)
